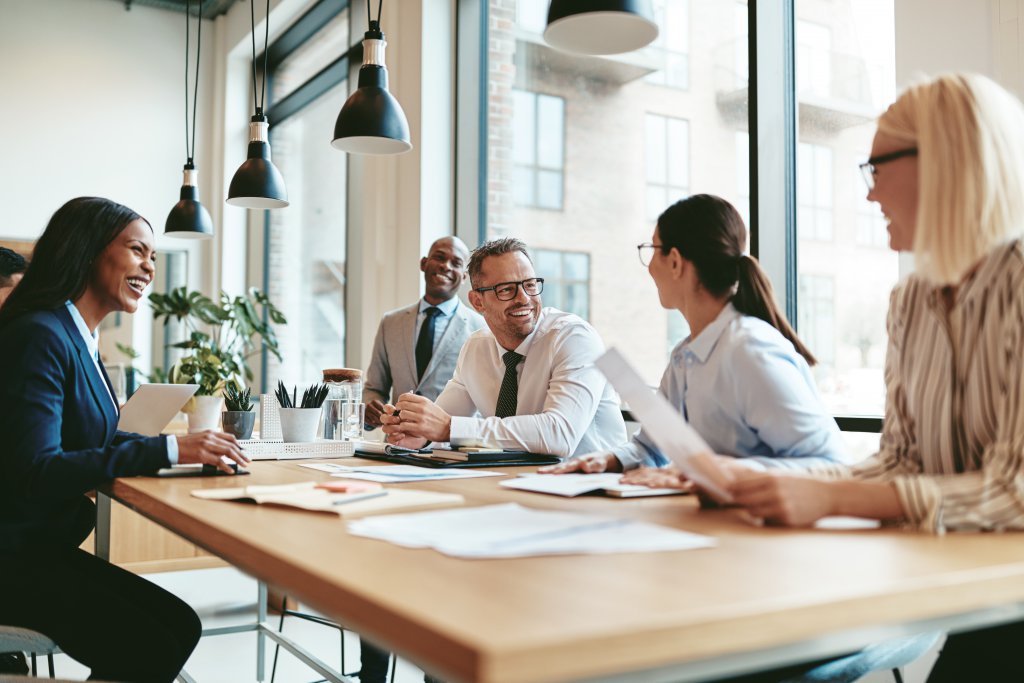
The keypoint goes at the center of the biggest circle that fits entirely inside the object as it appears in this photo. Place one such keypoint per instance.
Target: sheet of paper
(511, 530)
(563, 484)
(846, 523)
(665, 426)
(395, 474)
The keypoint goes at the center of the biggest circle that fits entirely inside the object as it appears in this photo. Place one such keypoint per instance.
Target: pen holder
(299, 424)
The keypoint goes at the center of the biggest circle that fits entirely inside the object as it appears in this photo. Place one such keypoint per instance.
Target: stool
(17, 639)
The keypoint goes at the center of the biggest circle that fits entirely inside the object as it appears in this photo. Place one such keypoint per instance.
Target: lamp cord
(266, 41)
(369, 16)
(190, 153)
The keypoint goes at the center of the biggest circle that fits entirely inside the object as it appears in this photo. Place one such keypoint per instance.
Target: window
(566, 279)
(817, 316)
(672, 44)
(537, 147)
(814, 192)
(871, 228)
(813, 59)
(304, 246)
(604, 141)
(667, 163)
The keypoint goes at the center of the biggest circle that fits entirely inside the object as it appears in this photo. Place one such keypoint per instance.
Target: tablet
(153, 406)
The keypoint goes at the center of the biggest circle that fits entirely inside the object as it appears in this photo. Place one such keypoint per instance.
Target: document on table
(666, 427)
(396, 474)
(570, 485)
(511, 530)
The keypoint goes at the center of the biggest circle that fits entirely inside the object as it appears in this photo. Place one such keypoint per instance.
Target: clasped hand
(414, 420)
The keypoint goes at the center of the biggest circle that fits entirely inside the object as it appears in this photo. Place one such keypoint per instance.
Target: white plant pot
(204, 413)
(298, 425)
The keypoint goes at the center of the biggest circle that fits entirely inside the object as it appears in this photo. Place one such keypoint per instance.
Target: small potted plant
(238, 419)
(299, 419)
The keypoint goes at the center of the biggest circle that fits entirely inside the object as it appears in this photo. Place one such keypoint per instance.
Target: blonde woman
(947, 169)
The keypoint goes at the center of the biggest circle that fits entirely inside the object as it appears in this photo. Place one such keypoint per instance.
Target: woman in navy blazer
(58, 418)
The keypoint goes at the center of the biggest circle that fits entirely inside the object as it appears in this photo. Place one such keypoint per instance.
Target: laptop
(153, 406)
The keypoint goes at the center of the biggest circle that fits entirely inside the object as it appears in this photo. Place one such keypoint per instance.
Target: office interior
(575, 155)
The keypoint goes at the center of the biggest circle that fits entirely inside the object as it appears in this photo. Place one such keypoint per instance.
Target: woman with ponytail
(742, 377)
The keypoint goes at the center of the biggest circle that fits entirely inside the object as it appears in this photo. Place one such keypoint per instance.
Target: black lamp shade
(257, 184)
(189, 218)
(600, 27)
(372, 120)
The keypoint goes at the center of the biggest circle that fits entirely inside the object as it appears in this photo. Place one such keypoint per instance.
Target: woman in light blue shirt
(742, 377)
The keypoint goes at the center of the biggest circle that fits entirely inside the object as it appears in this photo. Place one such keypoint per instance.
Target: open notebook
(571, 485)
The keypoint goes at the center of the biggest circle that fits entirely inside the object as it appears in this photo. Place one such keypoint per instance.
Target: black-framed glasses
(870, 167)
(646, 252)
(506, 291)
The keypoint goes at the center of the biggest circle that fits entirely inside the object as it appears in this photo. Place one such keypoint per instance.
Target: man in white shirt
(526, 382)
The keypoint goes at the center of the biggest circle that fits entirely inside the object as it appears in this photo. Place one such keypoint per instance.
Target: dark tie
(425, 343)
(508, 398)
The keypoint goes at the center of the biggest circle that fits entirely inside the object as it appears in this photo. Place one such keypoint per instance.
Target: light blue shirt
(446, 311)
(746, 390)
(90, 337)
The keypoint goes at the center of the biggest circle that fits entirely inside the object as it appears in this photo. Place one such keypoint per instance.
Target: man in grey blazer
(409, 358)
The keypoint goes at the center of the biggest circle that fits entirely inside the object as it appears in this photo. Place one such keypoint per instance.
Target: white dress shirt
(564, 406)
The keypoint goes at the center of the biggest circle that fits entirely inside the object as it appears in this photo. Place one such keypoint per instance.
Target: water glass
(333, 420)
(352, 415)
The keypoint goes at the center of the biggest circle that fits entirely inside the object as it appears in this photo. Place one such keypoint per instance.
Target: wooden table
(763, 597)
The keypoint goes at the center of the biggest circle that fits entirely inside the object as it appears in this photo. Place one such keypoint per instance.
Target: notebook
(428, 459)
(571, 485)
(153, 406)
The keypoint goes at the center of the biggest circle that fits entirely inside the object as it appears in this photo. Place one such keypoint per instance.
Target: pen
(354, 498)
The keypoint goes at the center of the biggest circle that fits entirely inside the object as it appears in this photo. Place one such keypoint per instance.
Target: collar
(975, 280)
(705, 342)
(446, 307)
(89, 337)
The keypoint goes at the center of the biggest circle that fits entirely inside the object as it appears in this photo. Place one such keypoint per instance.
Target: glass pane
(306, 249)
(550, 121)
(845, 78)
(622, 165)
(547, 264)
(326, 45)
(525, 186)
(524, 134)
(577, 266)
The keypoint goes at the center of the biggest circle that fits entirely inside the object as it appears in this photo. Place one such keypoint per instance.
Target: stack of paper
(395, 474)
(577, 484)
(511, 530)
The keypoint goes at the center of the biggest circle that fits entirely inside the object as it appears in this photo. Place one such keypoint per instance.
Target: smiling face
(124, 269)
(444, 269)
(896, 191)
(510, 321)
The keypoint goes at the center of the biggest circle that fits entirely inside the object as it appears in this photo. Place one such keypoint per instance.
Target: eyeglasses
(870, 167)
(506, 291)
(646, 252)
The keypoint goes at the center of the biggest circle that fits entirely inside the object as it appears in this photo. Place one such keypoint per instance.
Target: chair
(889, 655)
(16, 639)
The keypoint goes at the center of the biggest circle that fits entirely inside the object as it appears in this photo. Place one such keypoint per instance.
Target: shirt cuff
(172, 450)
(465, 431)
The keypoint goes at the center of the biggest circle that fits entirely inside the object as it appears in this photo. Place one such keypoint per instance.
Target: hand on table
(208, 448)
(783, 498)
(589, 463)
(374, 409)
(657, 478)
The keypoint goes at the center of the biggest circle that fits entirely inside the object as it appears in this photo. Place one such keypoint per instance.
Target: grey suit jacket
(392, 370)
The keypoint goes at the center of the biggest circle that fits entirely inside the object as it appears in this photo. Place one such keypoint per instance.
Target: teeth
(136, 284)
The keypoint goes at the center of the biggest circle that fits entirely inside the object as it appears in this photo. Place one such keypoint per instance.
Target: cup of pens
(300, 419)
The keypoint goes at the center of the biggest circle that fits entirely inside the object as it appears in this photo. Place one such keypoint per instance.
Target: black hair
(11, 263)
(709, 232)
(63, 258)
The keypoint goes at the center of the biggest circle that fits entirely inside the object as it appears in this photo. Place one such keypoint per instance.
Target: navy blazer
(58, 434)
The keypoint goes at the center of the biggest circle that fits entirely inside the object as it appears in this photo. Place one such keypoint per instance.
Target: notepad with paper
(308, 496)
(571, 485)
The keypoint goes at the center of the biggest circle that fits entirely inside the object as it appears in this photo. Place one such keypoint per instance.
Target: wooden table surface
(588, 617)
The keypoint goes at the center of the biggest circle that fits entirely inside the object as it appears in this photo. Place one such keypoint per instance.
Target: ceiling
(210, 8)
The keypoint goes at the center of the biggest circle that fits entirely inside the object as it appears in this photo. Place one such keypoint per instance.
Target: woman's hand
(657, 478)
(208, 448)
(588, 463)
(787, 499)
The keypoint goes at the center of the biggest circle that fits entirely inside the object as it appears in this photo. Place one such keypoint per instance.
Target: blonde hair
(969, 133)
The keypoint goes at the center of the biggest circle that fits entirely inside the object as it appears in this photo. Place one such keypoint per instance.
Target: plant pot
(238, 423)
(299, 425)
(203, 413)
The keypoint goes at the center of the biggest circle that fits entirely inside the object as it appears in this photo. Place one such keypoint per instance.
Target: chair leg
(49, 663)
(33, 663)
(394, 666)
(277, 646)
(897, 675)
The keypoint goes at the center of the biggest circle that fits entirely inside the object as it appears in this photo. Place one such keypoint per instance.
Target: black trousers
(374, 664)
(121, 626)
(988, 654)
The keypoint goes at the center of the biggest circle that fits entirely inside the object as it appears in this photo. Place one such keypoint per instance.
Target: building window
(817, 316)
(566, 279)
(814, 192)
(667, 162)
(871, 227)
(672, 45)
(538, 140)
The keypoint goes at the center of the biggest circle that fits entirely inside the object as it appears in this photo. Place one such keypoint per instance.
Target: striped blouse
(953, 438)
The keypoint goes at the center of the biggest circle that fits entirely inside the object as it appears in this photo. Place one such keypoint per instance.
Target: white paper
(511, 530)
(840, 523)
(663, 425)
(395, 474)
(570, 485)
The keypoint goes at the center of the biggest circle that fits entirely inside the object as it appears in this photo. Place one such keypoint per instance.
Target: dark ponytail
(708, 231)
(62, 260)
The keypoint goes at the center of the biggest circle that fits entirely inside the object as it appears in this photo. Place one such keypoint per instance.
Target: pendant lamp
(372, 120)
(257, 184)
(189, 218)
(600, 27)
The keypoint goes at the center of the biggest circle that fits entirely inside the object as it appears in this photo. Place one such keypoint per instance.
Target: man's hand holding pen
(415, 420)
